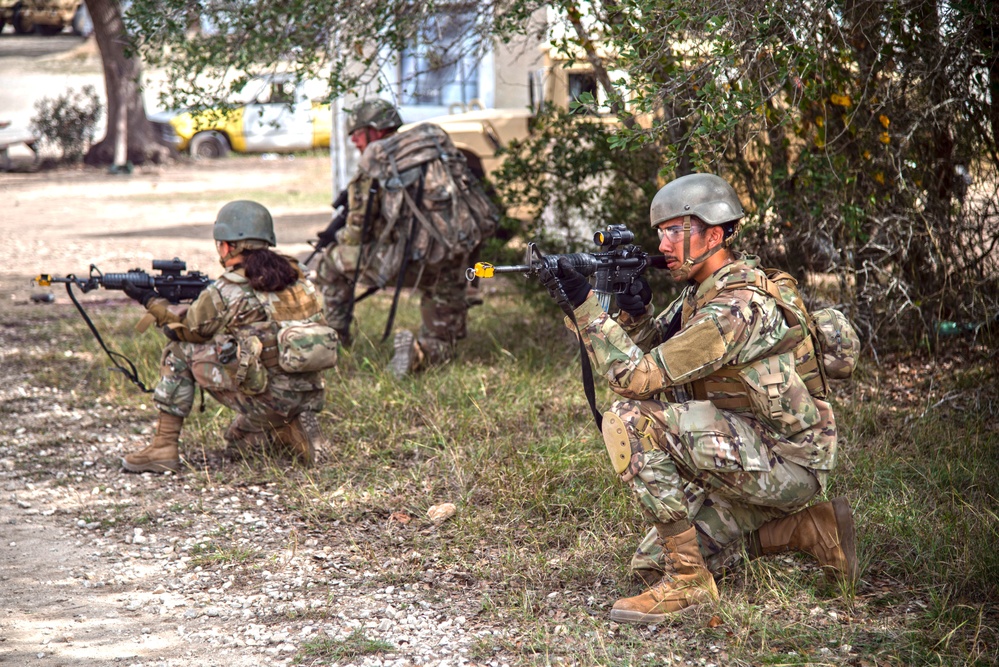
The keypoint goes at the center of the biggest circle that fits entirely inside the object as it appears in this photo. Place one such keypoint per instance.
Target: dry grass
(544, 531)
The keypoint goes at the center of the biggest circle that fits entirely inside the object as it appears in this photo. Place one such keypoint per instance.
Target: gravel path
(94, 593)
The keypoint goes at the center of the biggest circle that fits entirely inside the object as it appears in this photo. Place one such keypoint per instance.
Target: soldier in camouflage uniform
(443, 288)
(226, 344)
(716, 432)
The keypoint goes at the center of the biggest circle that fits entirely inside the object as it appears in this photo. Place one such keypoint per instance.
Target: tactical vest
(758, 386)
(293, 339)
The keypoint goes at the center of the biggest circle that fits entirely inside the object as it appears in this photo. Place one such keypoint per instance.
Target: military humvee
(480, 133)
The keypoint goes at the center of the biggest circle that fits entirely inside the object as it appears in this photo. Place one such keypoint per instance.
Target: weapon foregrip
(584, 263)
(118, 280)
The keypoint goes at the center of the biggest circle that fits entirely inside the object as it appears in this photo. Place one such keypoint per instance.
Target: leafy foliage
(69, 121)
(862, 134)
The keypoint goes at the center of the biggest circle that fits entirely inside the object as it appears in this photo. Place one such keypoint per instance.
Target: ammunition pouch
(246, 365)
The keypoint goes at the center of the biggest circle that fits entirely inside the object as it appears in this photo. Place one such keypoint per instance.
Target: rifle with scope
(614, 270)
(174, 283)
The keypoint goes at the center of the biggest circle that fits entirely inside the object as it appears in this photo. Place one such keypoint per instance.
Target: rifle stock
(327, 237)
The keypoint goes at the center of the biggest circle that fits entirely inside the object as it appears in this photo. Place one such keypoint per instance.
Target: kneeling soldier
(717, 433)
(228, 344)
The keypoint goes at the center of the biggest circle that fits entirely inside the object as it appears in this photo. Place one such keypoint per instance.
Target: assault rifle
(614, 270)
(327, 237)
(174, 283)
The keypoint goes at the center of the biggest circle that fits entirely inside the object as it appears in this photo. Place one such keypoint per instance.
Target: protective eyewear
(675, 232)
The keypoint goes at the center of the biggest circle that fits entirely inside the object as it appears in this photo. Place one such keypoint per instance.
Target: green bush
(69, 121)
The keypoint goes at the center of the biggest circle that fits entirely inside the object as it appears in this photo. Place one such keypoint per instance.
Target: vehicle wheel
(82, 24)
(209, 145)
(22, 24)
(48, 29)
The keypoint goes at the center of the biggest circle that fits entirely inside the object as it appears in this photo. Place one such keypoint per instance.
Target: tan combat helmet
(708, 198)
(377, 114)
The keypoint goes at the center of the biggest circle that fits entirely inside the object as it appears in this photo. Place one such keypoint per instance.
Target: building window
(442, 67)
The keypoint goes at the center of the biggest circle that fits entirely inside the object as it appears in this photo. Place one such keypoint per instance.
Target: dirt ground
(63, 221)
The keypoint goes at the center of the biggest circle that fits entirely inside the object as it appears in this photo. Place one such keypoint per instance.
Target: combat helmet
(707, 197)
(378, 114)
(245, 223)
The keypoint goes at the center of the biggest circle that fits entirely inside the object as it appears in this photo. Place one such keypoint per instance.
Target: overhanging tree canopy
(862, 133)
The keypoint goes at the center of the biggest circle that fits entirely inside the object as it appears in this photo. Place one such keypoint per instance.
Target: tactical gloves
(636, 299)
(141, 294)
(329, 235)
(567, 280)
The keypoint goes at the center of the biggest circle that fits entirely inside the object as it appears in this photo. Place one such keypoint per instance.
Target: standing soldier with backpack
(722, 431)
(415, 213)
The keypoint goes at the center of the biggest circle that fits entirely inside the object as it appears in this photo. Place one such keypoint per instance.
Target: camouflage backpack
(833, 339)
(425, 180)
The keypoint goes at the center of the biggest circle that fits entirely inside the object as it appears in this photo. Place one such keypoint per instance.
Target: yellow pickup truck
(272, 114)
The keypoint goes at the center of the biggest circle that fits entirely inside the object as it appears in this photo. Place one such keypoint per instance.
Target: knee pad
(617, 441)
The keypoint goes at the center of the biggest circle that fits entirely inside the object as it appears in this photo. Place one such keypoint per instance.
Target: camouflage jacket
(358, 192)
(382, 254)
(230, 308)
(736, 350)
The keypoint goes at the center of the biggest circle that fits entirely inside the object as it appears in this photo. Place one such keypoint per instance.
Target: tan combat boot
(244, 438)
(685, 584)
(302, 436)
(825, 531)
(162, 455)
(408, 356)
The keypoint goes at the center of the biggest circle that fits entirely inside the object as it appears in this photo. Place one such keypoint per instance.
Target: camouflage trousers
(443, 303)
(186, 366)
(713, 467)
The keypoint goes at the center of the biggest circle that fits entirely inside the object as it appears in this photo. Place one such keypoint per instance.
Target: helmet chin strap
(683, 271)
(233, 252)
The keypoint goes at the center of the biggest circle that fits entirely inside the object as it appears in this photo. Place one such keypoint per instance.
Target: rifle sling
(365, 227)
(586, 367)
(131, 372)
(587, 371)
(401, 278)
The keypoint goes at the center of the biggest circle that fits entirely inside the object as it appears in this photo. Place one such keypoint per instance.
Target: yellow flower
(884, 121)
(820, 143)
(884, 138)
(840, 100)
(819, 121)
(879, 177)
(866, 155)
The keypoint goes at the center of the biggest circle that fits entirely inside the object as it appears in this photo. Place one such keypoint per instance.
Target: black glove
(328, 235)
(573, 284)
(638, 296)
(141, 294)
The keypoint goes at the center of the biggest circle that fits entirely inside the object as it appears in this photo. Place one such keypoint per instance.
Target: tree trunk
(122, 76)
